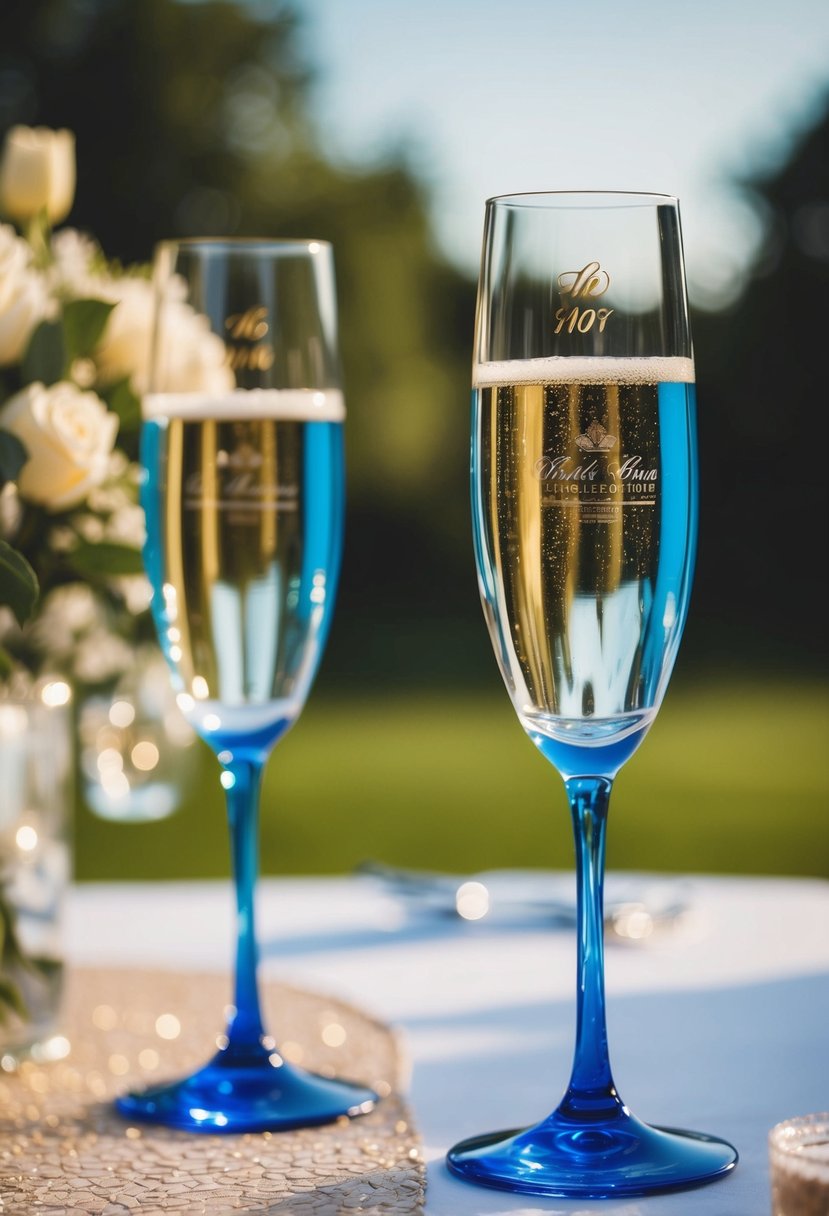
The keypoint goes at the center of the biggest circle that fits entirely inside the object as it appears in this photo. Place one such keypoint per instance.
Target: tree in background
(762, 576)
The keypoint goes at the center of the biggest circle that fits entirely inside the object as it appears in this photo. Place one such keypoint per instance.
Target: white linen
(721, 1025)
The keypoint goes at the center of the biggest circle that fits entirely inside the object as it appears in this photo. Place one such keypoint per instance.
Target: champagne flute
(584, 515)
(242, 450)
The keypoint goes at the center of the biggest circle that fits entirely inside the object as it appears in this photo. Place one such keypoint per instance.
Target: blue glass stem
(591, 1146)
(591, 1094)
(247, 1086)
(243, 784)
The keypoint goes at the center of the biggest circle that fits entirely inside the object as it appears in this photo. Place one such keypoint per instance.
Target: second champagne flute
(242, 449)
(584, 492)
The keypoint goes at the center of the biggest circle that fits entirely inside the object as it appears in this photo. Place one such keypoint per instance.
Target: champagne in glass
(584, 517)
(242, 448)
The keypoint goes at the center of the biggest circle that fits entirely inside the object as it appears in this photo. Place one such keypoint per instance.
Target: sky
(503, 96)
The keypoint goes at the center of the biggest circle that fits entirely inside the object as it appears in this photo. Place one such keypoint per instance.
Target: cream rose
(192, 358)
(68, 435)
(37, 172)
(23, 296)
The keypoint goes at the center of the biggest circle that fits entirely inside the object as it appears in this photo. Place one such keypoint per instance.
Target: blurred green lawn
(734, 777)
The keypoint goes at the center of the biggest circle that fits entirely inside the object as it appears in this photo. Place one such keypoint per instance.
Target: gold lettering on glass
(246, 349)
(589, 283)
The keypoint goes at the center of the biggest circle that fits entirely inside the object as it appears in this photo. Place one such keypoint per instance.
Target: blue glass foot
(247, 1092)
(564, 1158)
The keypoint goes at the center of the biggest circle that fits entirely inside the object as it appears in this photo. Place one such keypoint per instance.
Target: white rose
(191, 358)
(68, 435)
(124, 349)
(37, 172)
(23, 296)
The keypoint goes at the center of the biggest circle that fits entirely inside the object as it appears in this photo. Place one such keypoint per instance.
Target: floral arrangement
(75, 340)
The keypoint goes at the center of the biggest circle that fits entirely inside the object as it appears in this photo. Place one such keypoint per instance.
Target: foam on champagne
(281, 404)
(565, 369)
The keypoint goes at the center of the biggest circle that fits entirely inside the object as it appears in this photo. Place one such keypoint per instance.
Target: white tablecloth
(721, 1025)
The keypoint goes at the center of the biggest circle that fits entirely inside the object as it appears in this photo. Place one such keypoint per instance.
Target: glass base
(253, 1094)
(564, 1159)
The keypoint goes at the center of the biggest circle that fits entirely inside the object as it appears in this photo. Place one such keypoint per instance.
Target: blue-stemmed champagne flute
(242, 450)
(584, 487)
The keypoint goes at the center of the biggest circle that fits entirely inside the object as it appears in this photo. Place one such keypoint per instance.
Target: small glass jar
(799, 1156)
(136, 749)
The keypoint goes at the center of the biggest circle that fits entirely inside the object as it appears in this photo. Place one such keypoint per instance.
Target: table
(721, 1024)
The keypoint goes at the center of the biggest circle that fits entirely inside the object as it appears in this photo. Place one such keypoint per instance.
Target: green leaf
(84, 322)
(13, 456)
(14, 961)
(45, 357)
(11, 1000)
(125, 403)
(18, 583)
(6, 663)
(106, 559)
(11, 952)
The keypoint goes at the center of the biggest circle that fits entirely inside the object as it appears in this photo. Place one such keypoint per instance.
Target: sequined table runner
(64, 1151)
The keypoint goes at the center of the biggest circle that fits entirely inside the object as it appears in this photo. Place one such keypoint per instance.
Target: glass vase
(36, 770)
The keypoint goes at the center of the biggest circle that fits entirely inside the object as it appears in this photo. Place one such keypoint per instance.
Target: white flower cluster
(72, 628)
(66, 428)
(193, 358)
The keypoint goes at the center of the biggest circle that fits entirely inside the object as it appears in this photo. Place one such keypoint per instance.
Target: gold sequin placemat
(64, 1151)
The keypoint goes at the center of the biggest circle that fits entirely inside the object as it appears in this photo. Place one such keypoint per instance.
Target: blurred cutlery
(636, 910)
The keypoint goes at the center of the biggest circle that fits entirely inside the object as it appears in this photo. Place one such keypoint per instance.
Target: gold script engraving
(585, 284)
(246, 348)
(251, 325)
(589, 283)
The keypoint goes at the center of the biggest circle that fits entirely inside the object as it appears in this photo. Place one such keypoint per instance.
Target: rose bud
(37, 172)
